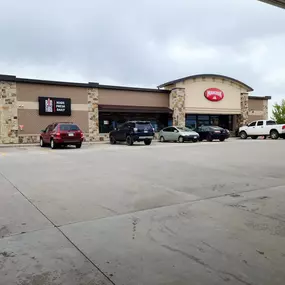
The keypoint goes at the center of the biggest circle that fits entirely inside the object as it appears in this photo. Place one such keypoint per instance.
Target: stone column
(243, 118)
(8, 113)
(265, 109)
(93, 114)
(177, 104)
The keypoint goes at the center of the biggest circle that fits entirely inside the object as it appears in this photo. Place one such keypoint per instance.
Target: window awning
(134, 109)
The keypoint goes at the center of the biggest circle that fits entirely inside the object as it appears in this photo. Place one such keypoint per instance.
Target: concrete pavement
(205, 213)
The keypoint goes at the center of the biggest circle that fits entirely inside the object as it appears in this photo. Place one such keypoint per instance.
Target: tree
(278, 112)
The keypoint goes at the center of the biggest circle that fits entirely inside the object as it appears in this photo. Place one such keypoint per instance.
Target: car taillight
(283, 127)
(57, 134)
(81, 135)
(135, 130)
(217, 131)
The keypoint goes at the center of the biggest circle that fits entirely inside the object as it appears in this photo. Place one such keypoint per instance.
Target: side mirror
(43, 131)
(175, 131)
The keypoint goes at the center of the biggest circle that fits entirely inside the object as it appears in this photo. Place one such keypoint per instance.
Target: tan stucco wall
(28, 114)
(195, 101)
(257, 109)
(33, 123)
(133, 98)
(30, 92)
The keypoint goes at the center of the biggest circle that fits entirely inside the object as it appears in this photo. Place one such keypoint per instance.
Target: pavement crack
(191, 257)
(58, 228)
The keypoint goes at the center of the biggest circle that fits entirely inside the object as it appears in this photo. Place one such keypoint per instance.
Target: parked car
(228, 133)
(61, 134)
(262, 128)
(211, 133)
(179, 134)
(133, 131)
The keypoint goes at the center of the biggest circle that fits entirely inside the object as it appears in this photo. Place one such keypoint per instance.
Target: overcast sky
(144, 43)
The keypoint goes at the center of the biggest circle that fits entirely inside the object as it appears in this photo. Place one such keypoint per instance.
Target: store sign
(50, 106)
(214, 94)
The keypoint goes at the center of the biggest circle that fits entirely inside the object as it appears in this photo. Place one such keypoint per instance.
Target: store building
(28, 105)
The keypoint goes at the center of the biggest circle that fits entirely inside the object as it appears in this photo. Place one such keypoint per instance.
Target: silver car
(179, 134)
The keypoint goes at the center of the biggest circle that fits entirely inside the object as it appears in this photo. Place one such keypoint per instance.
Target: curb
(38, 145)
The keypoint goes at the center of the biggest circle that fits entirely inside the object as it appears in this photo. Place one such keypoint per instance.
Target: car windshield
(216, 128)
(143, 126)
(184, 129)
(68, 127)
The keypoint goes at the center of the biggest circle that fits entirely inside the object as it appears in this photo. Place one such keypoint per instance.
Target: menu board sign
(51, 106)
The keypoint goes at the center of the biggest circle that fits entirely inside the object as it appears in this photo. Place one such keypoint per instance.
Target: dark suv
(60, 134)
(133, 131)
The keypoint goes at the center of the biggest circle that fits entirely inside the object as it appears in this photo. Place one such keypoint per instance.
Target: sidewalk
(85, 143)
(38, 145)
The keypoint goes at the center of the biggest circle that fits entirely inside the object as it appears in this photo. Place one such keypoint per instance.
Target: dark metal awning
(134, 109)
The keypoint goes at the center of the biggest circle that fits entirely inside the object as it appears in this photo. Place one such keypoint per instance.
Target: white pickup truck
(266, 128)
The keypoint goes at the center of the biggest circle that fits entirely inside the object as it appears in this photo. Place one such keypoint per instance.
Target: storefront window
(203, 120)
(191, 122)
(215, 120)
(110, 121)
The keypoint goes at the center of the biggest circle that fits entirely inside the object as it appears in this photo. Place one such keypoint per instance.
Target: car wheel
(130, 140)
(194, 140)
(181, 139)
(243, 135)
(53, 144)
(147, 142)
(274, 134)
(209, 138)
(78, 145)
(112, 140)
(254, 137)
(222, 139)
(162, 139)
(42, 144)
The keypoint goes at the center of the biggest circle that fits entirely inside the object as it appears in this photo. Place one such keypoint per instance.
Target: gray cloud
(144, 43)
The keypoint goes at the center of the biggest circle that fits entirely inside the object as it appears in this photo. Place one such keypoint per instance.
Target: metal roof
(278, 3)
(206, 75)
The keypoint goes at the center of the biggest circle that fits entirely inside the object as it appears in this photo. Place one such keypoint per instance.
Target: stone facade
(177, 104)
(29, 138)
(8, 113)
(243, 117)
(93, 114)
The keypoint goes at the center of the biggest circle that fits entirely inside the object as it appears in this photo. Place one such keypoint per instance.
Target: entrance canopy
(278, 3)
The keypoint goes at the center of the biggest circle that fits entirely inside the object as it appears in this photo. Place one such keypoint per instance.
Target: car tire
(147, 142)
(194, 140)
(112, 140)
(209, 138)
(53, 145)
(129, 140)
(79, 145)
(222, 139)
(254, 137)
(243, 135)
(274, 135)
(42, 144)
(162, 139)
(181, 139)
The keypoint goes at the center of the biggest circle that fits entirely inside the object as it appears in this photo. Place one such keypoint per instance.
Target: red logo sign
(214, 94)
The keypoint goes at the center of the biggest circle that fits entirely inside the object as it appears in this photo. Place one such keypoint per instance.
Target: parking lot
(169, 213)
